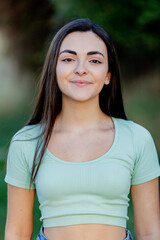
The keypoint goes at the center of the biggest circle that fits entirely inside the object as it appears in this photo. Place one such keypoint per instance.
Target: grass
(142, 103)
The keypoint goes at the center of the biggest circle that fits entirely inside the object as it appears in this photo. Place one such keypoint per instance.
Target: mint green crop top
(95, 191)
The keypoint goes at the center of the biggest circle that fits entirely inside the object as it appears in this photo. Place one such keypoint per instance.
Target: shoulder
(29, 132)
(137, 136)
(23, 145)
(25, 140)
(136, 130)
(21, 156)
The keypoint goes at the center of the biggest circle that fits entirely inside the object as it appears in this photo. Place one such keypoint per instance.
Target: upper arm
(145, 199)
(19, 213)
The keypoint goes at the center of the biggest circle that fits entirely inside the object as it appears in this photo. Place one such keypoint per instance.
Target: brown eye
(67, 60)
(95, 61)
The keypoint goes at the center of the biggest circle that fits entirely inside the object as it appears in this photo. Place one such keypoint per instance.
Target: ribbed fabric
(95, 191)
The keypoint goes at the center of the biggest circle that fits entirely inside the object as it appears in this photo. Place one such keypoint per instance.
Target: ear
(108, 78)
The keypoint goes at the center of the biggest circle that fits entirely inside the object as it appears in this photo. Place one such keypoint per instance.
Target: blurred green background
(26, 29)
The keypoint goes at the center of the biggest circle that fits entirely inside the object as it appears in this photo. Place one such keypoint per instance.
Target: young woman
(78, 151)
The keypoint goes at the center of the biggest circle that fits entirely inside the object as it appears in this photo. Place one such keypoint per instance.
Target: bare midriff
(85, 232)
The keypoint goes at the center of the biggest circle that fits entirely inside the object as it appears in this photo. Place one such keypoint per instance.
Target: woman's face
(82, 66)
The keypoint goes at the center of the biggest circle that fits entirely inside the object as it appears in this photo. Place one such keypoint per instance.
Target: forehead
(83, 41)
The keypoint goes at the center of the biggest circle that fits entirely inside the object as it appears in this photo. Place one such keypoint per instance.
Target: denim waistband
(128, 235)
(41, 235)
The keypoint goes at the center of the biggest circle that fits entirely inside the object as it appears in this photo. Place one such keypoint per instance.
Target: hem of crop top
(93, 160)
(84, 219)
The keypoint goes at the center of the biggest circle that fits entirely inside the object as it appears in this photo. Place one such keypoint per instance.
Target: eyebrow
(88, 54)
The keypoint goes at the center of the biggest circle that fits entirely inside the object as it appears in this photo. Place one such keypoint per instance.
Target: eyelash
(95, 61)
(67, 60)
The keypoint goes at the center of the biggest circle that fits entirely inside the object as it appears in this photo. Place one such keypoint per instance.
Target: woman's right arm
(19, 223)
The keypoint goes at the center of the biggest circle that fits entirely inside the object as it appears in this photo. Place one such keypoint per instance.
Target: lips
(81, 82)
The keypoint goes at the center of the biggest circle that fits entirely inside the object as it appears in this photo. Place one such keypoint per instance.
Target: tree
(28, 25)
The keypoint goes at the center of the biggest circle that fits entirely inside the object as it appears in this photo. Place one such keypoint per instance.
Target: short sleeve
(18, 172)
(146, 165)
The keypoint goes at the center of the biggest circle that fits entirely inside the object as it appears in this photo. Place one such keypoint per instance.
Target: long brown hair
(49, 101)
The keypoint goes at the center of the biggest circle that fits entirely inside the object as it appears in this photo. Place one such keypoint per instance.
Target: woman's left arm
(145, 199)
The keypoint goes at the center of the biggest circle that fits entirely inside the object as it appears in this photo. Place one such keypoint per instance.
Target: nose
(80, 68)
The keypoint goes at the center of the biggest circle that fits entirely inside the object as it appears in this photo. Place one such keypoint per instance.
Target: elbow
(18, 232)
(155, 235)
(16, 236)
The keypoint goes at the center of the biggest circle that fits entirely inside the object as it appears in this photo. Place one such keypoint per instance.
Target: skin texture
(145, 198)
(82, 123)
(19, 224)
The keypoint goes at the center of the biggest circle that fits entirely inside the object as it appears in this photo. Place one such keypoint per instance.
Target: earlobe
(108, 78)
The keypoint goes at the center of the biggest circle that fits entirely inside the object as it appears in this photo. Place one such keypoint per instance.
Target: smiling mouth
(81, 83)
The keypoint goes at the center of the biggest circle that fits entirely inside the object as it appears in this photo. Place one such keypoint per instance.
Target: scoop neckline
(93, 160)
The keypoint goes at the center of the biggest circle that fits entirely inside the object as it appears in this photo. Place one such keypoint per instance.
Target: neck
(80, 116)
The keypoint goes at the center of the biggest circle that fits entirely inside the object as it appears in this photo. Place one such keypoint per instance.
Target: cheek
(59, 73)
(62, 72)
(100, 76)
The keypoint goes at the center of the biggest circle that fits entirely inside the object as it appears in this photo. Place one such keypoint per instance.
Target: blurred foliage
(27, 24)
(133, 25)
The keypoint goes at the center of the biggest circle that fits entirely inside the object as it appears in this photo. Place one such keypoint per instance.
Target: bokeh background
(26, 29)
